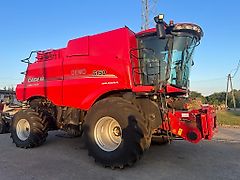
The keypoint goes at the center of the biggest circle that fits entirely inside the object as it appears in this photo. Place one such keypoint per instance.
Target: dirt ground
(66, 158)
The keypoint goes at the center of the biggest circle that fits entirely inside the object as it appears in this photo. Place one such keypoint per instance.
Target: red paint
(201, 121)
(148, 31)
(69, 78)
(143, 89)
(171, 89)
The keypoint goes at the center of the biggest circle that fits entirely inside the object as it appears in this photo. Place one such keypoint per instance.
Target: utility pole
(226, 98)
(148, 12)
(233, 96)
(229, 80)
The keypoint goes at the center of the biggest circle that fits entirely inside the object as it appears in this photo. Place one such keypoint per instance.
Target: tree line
(218, 99)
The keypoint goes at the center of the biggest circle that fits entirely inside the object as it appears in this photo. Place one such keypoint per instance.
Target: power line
(236, 70)
(209, 80)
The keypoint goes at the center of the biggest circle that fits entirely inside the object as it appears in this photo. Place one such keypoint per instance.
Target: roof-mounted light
(187, 27)
(159, 18)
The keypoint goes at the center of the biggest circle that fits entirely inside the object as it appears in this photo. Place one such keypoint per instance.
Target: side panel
(78, 75)
(54, 79)
(105, 69)
(43, 78)
(78, 47)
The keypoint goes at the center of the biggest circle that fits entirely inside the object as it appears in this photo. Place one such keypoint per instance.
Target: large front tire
(28, 129)
(115, 133)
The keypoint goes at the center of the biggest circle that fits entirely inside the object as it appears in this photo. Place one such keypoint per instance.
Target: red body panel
(43, 73)
(79, 74)
(172, 89)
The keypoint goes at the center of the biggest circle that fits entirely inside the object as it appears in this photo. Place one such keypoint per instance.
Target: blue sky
(29, 25)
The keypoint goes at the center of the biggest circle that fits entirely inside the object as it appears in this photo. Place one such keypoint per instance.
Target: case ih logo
(35, 79)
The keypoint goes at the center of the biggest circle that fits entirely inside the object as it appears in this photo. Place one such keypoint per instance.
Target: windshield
(183, 47)
(155, 56)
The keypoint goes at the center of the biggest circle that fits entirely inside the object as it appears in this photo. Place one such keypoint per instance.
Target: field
(228, 117)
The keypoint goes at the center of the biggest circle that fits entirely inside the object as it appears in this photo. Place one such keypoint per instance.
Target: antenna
(149, 10)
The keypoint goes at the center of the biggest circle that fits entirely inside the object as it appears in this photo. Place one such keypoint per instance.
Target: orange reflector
(180, 130)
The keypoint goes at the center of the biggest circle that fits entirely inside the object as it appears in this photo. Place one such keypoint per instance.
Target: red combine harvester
(117, 88)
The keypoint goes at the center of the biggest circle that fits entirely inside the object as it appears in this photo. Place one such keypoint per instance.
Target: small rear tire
(28, 129)
(2, 125)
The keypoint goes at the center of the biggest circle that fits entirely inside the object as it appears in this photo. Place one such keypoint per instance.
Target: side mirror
(192, 63)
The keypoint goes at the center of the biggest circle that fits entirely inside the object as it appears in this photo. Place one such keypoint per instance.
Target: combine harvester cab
(117, 88)
(170, 77)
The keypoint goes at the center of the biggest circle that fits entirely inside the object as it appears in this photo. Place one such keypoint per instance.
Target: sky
(48, 24)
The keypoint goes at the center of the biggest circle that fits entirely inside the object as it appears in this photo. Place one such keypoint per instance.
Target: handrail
(27, 60)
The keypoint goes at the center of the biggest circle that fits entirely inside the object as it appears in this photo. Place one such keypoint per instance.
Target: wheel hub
(117, 131)
(108, 134)
(23, 129)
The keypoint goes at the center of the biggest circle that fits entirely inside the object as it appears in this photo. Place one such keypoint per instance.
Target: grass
(228, 117)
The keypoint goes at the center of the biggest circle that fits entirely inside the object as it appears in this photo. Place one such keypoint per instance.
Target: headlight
(159, 18)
